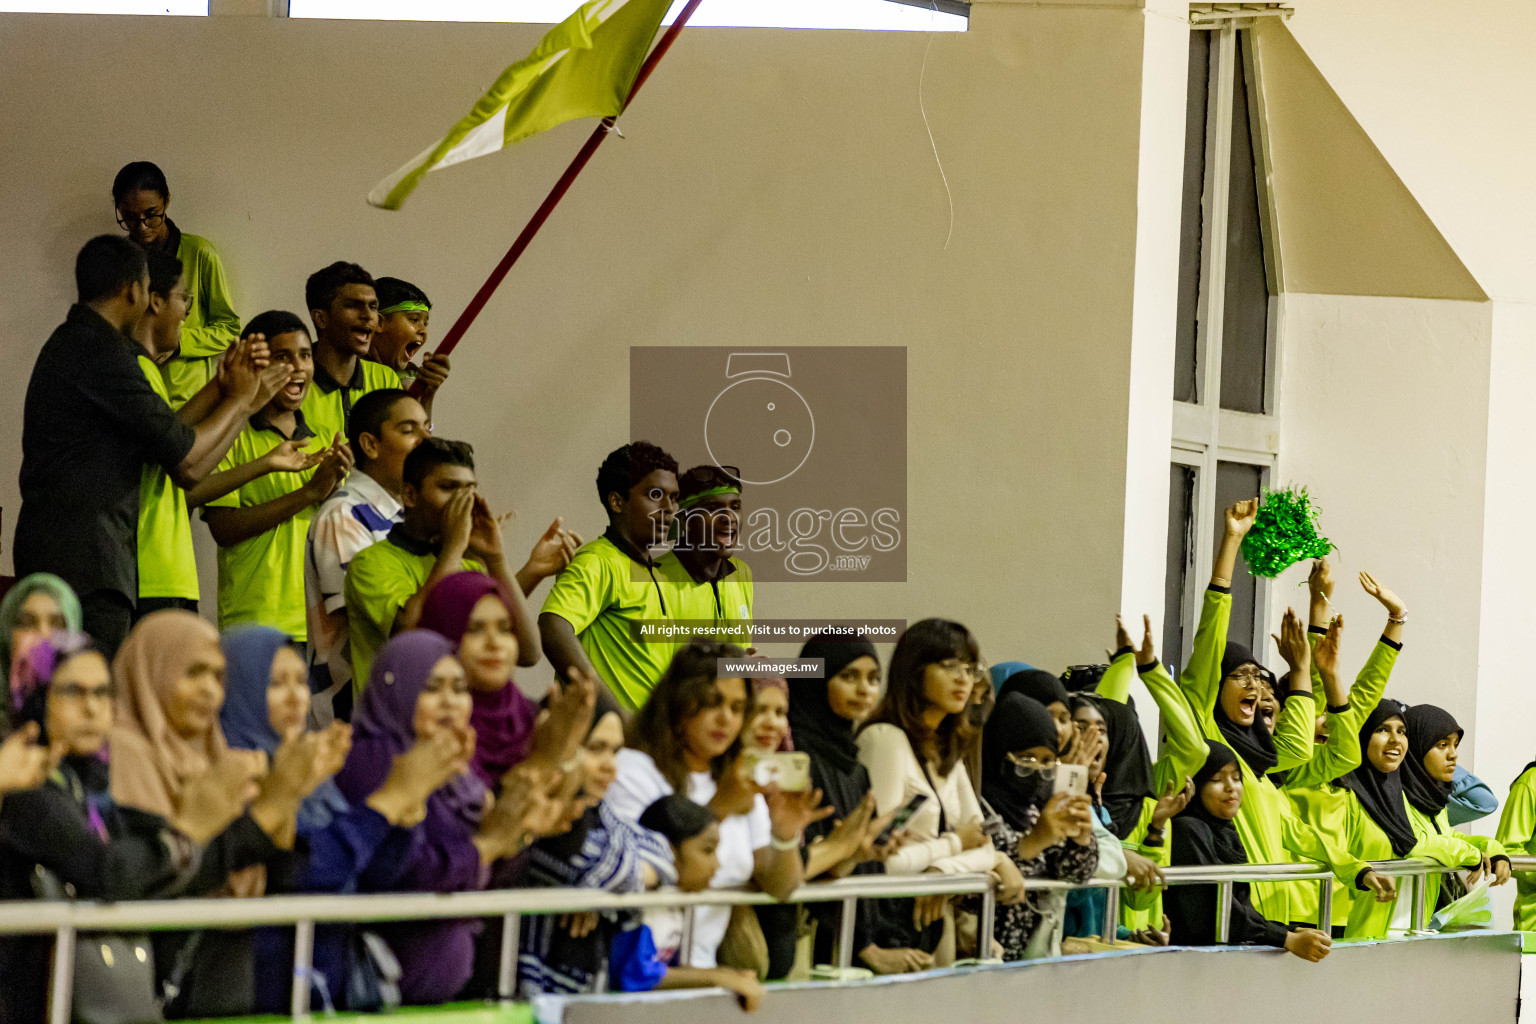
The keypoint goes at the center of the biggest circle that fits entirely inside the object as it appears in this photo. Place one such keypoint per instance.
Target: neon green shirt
(599, 595)
(1517, 834)
(1327, 807)
(1266, 822)
(727, 600)
(1438, 829)
(1181, 753)
(380, 579)
(261, 580)
(211, 325)
(327, 403)
(167, 565)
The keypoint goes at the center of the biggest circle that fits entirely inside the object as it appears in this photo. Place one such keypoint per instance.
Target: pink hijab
(503, 719)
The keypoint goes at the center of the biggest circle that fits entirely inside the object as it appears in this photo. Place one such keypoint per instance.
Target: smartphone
(1071, 778)
(903, 816)
(791, 772)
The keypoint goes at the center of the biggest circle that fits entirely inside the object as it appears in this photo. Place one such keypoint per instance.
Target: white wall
(776, 187)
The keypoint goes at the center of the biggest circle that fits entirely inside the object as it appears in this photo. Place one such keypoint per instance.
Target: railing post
(1111, 914)
(63, 992)
(685, 948)
(506, 975)
(984, 927)
(1325, 906)
(1223, 912)
(845, 924)
(303, 961)
(1420, 892)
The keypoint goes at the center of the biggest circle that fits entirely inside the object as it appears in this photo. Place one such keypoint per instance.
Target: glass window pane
(197, 8)
(1238, 481)
(824, 14)
(1186, 358)
(1245, 320)
(1181, 528)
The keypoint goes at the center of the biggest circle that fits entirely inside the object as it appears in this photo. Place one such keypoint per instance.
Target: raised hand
(209, 802)
(23, 764)
(1320, 582)
(1388, 600)
(1326, 654)
(291, 457)
(434, 371)
(458, 521)
(1173, 800)
(1146, 654)
(334, 743)
(1122, 635)
(1239, 517)
(791, 812)
(1086, 746)
(1292, 641)
(553, 550)
(292, 775)
(335, 463)
(565, 721)
(484, 531)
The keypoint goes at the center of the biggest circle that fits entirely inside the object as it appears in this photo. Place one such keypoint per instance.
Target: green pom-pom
(1284, 533)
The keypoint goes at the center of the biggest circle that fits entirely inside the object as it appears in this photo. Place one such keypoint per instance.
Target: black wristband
(1219, 590)
(1338, 709)
(1396, 645)
(1144, 669)
(1319, 630)
(1122, 652)
(1360, 878)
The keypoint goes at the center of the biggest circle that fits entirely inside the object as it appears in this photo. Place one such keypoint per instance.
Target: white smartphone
(1071, 778)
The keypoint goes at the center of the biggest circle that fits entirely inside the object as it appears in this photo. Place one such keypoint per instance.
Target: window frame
(1205, 434)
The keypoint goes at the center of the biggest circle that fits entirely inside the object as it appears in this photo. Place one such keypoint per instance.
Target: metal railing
(66, 919)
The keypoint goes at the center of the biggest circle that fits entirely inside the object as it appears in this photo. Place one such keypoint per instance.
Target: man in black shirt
(92, 422)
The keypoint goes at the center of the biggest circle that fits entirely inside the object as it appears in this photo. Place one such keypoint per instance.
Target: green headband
(408, 306)
(722, 489)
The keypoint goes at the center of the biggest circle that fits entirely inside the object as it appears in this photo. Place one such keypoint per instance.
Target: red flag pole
(601, 132)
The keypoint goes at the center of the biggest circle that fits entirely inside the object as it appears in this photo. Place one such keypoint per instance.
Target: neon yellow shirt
(727, 601)
(600, 593)
(380, 579)
(1517, 834)
(167, 565)
(327, 403)
(211, 325)
(261, 579)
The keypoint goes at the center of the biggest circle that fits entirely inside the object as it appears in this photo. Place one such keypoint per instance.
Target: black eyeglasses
(150, 220)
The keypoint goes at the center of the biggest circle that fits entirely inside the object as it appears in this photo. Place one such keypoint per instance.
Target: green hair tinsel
(1284, 533)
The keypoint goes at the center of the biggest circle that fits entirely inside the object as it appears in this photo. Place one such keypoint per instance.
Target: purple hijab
(503, 718)
(383, 727)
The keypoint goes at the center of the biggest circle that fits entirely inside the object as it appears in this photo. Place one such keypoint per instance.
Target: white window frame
(1204, 434)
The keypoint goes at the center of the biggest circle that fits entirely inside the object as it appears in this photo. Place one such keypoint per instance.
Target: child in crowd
(446, 527)
(385, 426)
(614, 582)
(649, 955)
(344, 308)
(260, 526)
(142, 199)
(1204, 834)
(404, 311)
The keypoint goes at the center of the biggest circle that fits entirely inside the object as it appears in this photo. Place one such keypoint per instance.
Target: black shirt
(91, 424)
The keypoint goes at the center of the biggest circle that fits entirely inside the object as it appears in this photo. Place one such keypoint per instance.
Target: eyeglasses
(969, 669)
(150, 220)
(1024, 767)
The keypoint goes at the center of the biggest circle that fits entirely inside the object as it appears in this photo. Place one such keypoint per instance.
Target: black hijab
(1427, 725)
(1381, 793)
(823, 734)
(1017, 723)
(1036, 684)
(1253, 743)
(1226, 845)
(1127, 766)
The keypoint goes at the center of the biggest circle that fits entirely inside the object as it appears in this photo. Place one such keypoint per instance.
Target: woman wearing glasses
(1045, 835)
(915, 746)
(142, 199)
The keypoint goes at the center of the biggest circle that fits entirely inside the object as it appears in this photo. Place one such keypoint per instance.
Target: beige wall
(775, 188)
